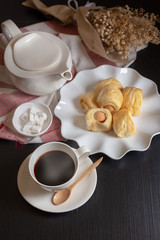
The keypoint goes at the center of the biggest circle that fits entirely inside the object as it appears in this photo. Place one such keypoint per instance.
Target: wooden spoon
(62, 195)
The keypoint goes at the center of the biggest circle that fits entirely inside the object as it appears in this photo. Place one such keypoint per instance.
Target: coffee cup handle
(10, 29)
(82, 152)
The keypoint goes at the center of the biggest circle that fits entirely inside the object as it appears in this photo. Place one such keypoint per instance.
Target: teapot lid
(34, 52)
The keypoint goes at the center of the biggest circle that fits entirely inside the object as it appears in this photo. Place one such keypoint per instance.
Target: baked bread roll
(98, 120)
(110, 97)
(87, 102)
(123, 124)
(132, 100)
(101, 84)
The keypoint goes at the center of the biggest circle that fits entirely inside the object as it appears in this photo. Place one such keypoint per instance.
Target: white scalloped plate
(72, 118)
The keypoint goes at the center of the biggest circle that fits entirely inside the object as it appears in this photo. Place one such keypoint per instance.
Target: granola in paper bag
(117, 33)
(114, 33)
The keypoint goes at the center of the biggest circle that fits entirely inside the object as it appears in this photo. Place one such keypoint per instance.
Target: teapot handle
(10, 29)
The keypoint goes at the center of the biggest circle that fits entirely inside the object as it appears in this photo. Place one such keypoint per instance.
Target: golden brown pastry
(123, 124)
(87, 102)
(110, 97)
(101, 84)
(98, 120)
(132, 100)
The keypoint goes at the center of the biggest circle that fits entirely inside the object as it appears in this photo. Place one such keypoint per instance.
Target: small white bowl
(18, 122)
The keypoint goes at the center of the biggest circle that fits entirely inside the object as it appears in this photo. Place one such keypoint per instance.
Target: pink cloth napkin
(11, 97)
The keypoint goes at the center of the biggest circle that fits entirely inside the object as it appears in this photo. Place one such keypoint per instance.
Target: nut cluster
(121, 28)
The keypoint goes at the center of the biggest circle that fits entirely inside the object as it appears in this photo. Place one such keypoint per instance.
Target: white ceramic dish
(18, 123)
(37, 52)
(38, 63)
(72, 118)
(41, 199)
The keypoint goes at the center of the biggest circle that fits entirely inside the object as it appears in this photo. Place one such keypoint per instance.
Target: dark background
(126, 203)
(23, 16)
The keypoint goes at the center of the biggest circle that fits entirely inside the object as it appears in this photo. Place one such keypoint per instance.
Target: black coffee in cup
(54, 168)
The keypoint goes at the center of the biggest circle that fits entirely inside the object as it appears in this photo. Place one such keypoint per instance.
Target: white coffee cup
(76, 155)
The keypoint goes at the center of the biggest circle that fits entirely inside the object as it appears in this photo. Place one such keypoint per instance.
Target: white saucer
(41, 199)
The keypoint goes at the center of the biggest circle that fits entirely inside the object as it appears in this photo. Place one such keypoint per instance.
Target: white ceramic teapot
(38, 63)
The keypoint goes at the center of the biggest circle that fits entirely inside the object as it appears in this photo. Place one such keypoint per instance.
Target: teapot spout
(67, 75)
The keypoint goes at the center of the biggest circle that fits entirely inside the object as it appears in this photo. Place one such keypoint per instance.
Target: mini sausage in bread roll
(101, 84)
(98, 120)
(110, 97)
(87, 102)
(123, 124)
(132, 100)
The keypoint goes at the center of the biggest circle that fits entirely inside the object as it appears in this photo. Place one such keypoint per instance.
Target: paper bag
(92, 39)
(63, 13)
(137, 36)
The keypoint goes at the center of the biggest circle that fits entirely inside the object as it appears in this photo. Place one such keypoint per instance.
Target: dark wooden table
(126, 202)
